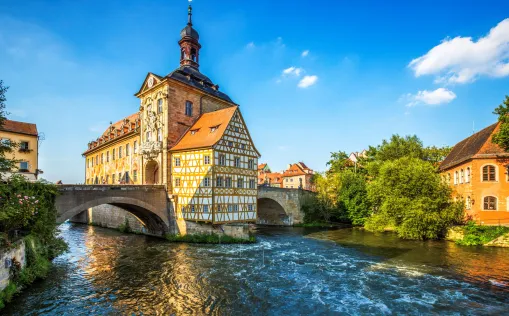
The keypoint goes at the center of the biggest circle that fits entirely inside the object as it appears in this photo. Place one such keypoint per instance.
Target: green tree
(353, 197)
(5, 146)
(501, 138)
(435, 155)
(338, 162)
(409, 196)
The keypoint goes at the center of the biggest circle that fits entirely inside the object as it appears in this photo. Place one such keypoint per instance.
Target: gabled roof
(19, 127)
(471, 146)
(202, 134)
(262, 166)
(191, 77)
(297, 169)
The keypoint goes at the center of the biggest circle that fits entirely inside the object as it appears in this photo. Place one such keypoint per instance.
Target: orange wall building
(477, 170)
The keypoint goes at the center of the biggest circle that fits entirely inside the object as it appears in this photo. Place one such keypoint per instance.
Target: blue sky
(311, 77)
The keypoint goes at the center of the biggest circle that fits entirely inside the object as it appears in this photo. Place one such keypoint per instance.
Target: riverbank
(479, 235)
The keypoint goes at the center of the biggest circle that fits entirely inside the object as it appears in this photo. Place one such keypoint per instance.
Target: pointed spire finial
(189, 14)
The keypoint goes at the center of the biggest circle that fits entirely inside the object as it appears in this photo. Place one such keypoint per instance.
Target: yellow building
(26, 153)
(187, 135)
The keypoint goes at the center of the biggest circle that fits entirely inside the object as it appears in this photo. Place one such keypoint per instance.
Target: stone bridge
(280, 206)
(147, 202)
(150, 204)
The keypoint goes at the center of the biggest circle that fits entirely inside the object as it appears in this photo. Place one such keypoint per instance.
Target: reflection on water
(289, 271)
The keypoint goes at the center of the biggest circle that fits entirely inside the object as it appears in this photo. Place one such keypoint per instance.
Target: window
(149, 107)
(456, 176)
(135, 175)
(250, 207)
(6, 141)
(230, 144)
(102, 158)
(489, 173)
(177, 182)
(242, 146)
(193, 54)
(135, 147)
(160, 106)
(189, 108)
(23, 145)
(228, 182)
(467, 180)
(468, 203)
(291, 180)
(286, 180)
(192, 208)
(449, 177)
(236, 162)
(159, 135)
(113, 179)
(219, 182)
(119, 177)
(250, 164)
(108, 156)
(252, 184)
(177, 162)
(490, 203)
(119, 152)
(148, 136)
(462, 176)
(96, 160)
(23, 166)
(113, 154)
(127, 149)
(230, 208)
(205, 208)
(240, 183)
(206, 160)
(206, 182)
(222, 160)
(236, 129)
(235, 207)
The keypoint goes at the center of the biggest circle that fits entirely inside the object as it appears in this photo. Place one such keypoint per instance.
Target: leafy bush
(125, 228)
(475, 235)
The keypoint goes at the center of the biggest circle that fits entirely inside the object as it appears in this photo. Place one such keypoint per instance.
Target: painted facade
(477, 171)
(26, 137)
(183, 118)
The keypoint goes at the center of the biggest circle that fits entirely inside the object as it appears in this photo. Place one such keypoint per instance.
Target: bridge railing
(108, 187)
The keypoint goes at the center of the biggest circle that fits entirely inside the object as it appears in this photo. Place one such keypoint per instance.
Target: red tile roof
(19, 127)
(297, 169)
(201, 135)
(471, 146)
(261, 166)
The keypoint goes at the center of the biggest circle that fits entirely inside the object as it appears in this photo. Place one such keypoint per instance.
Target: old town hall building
(187, 135)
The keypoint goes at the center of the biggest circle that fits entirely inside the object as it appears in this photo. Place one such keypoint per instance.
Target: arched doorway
(270, 212)
(151, 172)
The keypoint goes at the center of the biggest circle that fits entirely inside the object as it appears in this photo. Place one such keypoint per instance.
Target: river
(289, 271)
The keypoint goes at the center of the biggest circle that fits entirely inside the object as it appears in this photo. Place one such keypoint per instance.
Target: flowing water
(289, 271)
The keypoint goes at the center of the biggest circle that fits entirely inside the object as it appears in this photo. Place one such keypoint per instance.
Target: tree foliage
(5, 146)
(501, 138)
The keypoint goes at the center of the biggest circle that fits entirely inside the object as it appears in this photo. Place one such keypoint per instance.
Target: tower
(189, 45)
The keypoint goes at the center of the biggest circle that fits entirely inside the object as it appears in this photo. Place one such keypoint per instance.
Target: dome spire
(189, 14)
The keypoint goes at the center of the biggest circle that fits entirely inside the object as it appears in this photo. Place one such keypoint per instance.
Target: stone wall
(6, 256)
(109, 216)
(240, 231)
(280, 206)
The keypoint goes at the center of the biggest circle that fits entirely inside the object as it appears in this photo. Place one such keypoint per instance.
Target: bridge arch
(147, 203)
(279, 206)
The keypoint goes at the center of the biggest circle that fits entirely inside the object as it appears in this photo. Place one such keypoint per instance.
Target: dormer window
(214, 128)
(194, 131)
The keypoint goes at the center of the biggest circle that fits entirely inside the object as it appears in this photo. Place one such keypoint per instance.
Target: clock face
(150, 82)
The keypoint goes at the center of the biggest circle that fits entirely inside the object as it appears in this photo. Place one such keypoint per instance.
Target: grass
(209, 239)
(475, 235)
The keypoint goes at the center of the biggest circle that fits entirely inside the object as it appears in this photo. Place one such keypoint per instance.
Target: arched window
(490, 203)
(193, 54)
(489, 173)
(462, 176)
(467, 180)
(456, 177)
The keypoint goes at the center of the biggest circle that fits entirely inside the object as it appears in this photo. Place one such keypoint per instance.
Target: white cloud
(296, 71)
(436, 97)
(463, 60)
(250, 45)
(307, 81)
(305, 53)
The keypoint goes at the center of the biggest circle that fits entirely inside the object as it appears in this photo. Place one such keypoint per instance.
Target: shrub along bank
(27, 211)
(476, 235)
(396, 185)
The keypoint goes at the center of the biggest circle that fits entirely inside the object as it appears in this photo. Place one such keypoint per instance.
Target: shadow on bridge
(147, 202)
